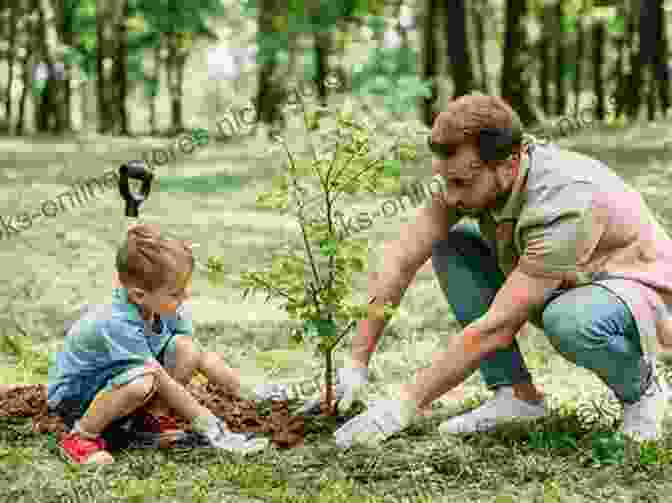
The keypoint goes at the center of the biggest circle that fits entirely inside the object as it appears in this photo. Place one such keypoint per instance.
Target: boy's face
(166, 299)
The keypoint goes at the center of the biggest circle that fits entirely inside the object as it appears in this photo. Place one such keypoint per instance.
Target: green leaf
(616, 25)
(568, 24)
(569, 72)
(39, 86)
(377, 24)
(319, 328)
(216, 278)
(151, 87)
(329, 247)
(392, 168)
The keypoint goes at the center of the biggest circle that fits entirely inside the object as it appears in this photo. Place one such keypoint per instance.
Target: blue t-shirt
(109, 342)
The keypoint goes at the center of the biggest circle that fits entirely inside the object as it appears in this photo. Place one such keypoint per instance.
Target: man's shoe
(643, 420)
(157, 431)
(502, 408)
(82, 451)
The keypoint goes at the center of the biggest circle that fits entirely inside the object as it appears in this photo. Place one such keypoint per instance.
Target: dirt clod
(240, 415)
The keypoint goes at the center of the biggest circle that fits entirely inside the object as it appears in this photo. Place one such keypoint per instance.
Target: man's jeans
(588, 325)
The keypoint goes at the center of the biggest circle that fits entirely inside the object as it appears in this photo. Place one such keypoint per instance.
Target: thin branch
(367, 168)
(270, 288)
(302, 224)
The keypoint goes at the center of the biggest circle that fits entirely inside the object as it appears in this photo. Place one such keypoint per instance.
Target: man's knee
(584, 320)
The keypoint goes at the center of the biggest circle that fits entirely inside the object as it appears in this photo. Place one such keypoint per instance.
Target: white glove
(225, 439)
(383, 419)
(350, 387)
(276, 392)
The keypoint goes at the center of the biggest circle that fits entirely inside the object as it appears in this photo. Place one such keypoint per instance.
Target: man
(561, 241)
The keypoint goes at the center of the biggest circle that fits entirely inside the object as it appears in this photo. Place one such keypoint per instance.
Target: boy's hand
(276, 392)
(225, 439)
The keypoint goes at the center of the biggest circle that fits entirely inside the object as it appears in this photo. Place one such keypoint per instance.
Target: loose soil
(240, 415)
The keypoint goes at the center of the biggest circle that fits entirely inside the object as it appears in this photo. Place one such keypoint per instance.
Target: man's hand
(383, 419)
(351, 384)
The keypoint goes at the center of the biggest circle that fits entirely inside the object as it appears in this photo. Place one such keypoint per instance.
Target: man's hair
(149, 261)
(463, 117)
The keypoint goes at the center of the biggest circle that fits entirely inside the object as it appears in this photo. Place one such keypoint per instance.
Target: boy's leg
(180, 358)
(468, 273)
(117, 402)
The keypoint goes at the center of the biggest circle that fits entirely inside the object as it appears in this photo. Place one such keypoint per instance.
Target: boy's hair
(463, 117)
(149, 261)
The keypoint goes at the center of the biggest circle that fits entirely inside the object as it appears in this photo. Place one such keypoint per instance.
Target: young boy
(134, 356)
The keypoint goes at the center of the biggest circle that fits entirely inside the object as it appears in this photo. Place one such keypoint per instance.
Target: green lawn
(61, 262)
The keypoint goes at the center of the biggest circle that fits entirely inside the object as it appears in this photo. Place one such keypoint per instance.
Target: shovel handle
(136, 170)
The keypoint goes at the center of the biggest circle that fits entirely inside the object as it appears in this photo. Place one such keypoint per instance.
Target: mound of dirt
(241, 415)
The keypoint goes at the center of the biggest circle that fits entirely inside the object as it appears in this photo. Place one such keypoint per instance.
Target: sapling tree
(314, 279)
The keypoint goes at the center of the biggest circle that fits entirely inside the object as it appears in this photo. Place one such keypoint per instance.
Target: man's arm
(496, 329)
(401, 262)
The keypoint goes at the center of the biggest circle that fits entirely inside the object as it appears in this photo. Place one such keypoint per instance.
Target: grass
(572, 456)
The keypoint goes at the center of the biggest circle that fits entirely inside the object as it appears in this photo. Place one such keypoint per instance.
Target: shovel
(133, 170)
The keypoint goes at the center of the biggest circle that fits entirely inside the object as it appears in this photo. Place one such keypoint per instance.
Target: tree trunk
(173, 77)
(11, 59)
(179, 112)
(545, 58)
(580, 49)
(619, 71)
(661, 59)
(322, 45)
(52, 110)
(328, 382)
(152, 100)
(122, 65)
(598, 61)
(429, 64)
(653, 54)
(634, 97)
(479, 11)
(267, 99)
(26, 85)
(560, 97)
(455, 18)
(514, 81)
(104, 123)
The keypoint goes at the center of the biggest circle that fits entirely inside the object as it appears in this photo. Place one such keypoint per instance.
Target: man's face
(472, 185)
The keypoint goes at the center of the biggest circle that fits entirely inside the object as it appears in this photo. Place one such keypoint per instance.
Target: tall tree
(579, 55)
(11, 14)
(545, 59)
(653, 54)
(121, 56)
(514, 79)
(52, 112)
(480, 11)
(268, 98)
(559, 39)
(633, 95)
(455, 18)
(430, 60)
(599, 41)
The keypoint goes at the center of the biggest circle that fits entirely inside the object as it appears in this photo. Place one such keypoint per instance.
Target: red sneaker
(82, 451)
(157, 431)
